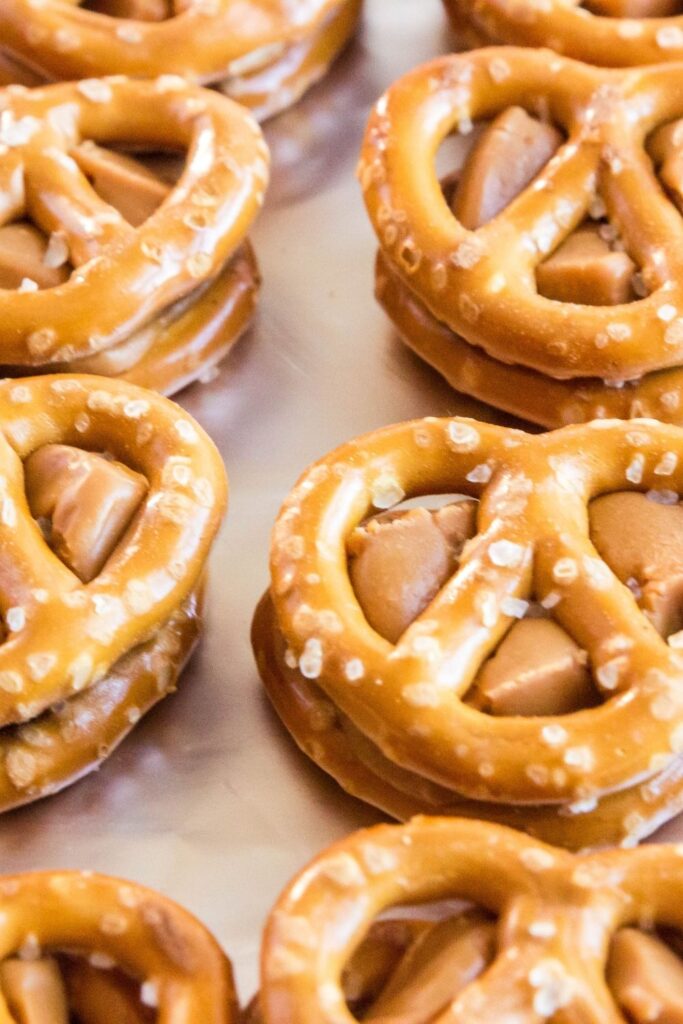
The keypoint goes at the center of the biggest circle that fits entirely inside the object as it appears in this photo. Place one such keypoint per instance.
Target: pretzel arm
(541, 217)
(60, 198)
(459, 618)
(650, 225)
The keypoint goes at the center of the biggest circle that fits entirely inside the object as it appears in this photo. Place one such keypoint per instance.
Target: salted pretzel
(263, 53)
(110, 265)
(82, 947)
(110, 499)
(614, 33)
(549, 935)
(519, 260)
(512, 656)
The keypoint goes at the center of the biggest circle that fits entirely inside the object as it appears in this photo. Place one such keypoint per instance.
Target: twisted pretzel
(263, 54)
(100, 619)
(151, 282)
(481, 282)
(614, 33)
(446, 705)
(106, 950)
(558, 937)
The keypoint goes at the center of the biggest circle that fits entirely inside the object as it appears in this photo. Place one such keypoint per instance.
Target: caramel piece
(123, 182)
(103, 997)
(642, 540)
(584, 270)
(22, 256)
(377, 957)
(505, 159)
(440, 963)
(34, 991)
(89, 500)
(398, 562)
(646, 978)
(634, 8)
(537, 670)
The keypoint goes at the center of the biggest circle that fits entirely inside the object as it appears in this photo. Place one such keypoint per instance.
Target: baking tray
(209, 800)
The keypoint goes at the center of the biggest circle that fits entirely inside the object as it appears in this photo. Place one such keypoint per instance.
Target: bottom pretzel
(514, 388)
(360, 768)
(500, 928)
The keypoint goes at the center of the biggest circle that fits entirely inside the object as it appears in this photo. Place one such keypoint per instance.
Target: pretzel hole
(135, 10)
(68, 989)
(30, 260)
(83, 502)
(628, 528)
(496, 162)
(589, 267)
(134, 183)
(398, 562)
(412, 964)
(645, 975)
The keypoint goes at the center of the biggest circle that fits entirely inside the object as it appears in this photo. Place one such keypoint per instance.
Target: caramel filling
(45, 991)
(399, 561)
(86, 501)
(425, 965)
(642, 541)
(646, 978)
(439, 964)
(507, 157)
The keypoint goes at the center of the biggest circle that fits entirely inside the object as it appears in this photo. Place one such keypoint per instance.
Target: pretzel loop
(177, 965)
(481, 284)
(133, 273)
(75, 632)
(608, 34)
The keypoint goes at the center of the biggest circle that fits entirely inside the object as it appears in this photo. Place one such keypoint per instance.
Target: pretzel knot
(551, 936)
(531, 280)
(101, 609)
(262, 53)
(75, 945)
(615, 33)
(569, 722)
(102, 281)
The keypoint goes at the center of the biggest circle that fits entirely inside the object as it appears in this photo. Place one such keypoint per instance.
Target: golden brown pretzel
(615, 33)
(76, 942)
(102, 617)
(107, 276)
(573, 937)
(480, 283)
(264, 53)
(395, 721)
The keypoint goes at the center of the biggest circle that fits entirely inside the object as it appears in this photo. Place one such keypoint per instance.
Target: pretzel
(102, 609)
(125, 273)
(262, 53)
(394, 654)
(554, 936)
(108, 952)
(497, 277)
(612, 33)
